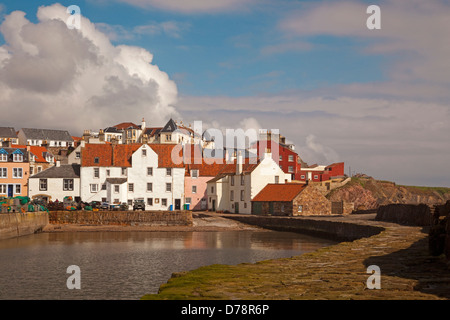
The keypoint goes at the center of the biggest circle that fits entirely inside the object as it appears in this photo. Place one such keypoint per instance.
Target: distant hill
(368, 193)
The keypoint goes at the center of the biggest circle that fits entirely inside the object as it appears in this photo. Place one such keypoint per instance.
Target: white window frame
(3, 188)
(68, 184)
(17, 157)
(168, 186)
(3, 173)
(150, 184)
(194, 189)
(94, 187)
(3, 157)
(41, 181)
(16, 174)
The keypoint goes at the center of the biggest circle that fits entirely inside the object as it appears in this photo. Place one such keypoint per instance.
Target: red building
(321, 173)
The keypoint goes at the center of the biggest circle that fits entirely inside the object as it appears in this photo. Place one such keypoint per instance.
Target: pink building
(195, 183)
(14, 172)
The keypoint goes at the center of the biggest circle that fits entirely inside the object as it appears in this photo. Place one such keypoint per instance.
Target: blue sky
(376, 99)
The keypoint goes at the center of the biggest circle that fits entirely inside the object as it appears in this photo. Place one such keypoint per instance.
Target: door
(214, 205)
(177, 204)
(236, 207)
(10, 190)
(271, 207)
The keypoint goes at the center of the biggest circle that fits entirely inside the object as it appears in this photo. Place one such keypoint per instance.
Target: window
(188, 200)
(149, 187)
(144, 152)
(212, 189)
(290, 169)
(124, 171)
(68, 184)
(168, 137)
(94, 187)
(164, 202)
(168, 187)
(150, 201)
(168, 171)
(316, 176)
(43, 184)
(232, 180)
(281, 158)
(104, 186)
(3, 157)
(242, 180)
(108, 173)
(232, 195)
(130, 202)
(39, 169)
(131, 187)
(116, 188)
(3, 173)
(291, 157)
(302, 176)
(245, 204)
(96, 173)
(3, 188)
(300, 209)
(194, 173)
(17, 157)
(18, 189)
(149, 171)
(277, 179)
(242, 195)
(17, 173)
(96, 160)
(194, 189)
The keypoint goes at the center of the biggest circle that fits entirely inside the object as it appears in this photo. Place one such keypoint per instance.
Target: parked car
(104, 206)
(139, 204)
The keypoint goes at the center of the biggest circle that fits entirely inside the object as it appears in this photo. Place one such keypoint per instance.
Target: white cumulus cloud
(56, 77)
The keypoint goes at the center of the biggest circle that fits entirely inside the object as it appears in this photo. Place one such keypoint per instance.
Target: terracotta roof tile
(279, 192)
(91, 151)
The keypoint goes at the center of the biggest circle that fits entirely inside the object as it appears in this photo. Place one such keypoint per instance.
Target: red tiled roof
(101, 151)
(38, 151)
(122, 154)
(125, 125)
(279, 192)
(164, 152)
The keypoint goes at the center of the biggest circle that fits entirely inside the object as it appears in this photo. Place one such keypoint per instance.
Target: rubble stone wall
(130, 218)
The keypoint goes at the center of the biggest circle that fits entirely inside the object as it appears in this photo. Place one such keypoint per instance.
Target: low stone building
(290, 199)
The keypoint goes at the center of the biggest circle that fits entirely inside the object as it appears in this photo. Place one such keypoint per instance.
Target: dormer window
(194, 173)
(17, 157)
(96, 160)
(3, 157)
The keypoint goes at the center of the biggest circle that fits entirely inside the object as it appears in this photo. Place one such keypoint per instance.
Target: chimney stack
(239, 163)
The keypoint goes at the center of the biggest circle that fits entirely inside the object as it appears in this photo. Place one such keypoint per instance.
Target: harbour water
(127, 265)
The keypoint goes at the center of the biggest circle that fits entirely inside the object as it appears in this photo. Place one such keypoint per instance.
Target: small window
(77, 155)
(150, 201)
(232, 195)
(144, 152)
(130, 202)
(194, 173)
(188, 200)
(277, 179)
(168, 171)
(68, 184)
(149, 171)
(232, 180)
(291, 158)
(131, 187)
(96, 173)
(242, 180)
(212, 189)
(96, 160)
(164, 202)
(242, 195)
(116, 188)
(281, 158)
(4, 172)
(3, 188)
(17, 173)
(104, 186)
(194, 189)
(300, 209)
(94, 187)
(290, 169)
(3, 157)
(302, 176)
(168, 187)
(108, 173)
(124, 171)
(18, 189)
(316, 176)
(149, 187)
(17, 157)
(43, 184)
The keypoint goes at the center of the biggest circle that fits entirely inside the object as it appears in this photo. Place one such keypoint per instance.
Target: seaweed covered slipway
(407, 271)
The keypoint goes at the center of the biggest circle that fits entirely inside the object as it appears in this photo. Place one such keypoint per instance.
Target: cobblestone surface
(335, 272)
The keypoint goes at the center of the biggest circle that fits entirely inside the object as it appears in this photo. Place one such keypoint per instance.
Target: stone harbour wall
(21, 224)
(130, 218)
(405, 214)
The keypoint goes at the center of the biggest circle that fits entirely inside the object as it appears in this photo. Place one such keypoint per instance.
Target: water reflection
(127, 265)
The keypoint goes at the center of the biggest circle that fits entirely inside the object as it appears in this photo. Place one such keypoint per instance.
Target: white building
(125, 172)
(55, 183)
(48, 137)
(235, 186)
